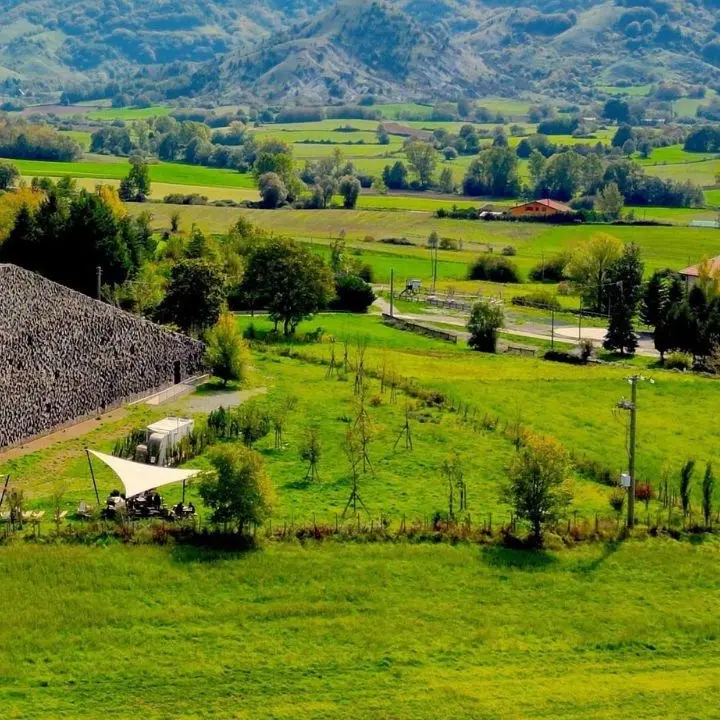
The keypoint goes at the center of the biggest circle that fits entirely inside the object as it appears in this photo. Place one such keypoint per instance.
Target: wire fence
(470, 526)
(524, 316)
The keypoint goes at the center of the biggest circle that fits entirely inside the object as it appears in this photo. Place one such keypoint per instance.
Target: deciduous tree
(538, 489)
(239, 491)
(226, 351)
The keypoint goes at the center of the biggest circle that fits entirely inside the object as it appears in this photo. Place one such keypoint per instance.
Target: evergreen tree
(89, 239)
(655, 297)
(626, 274)
(22, 244)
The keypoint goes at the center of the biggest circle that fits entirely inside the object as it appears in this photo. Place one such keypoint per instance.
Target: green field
(377, 629)
(674, 247)
(172, 173)
(130, 113)
(673, 155)
(81, 137)
(333, 631)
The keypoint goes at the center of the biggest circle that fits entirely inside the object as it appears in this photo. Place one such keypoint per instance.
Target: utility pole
(392, 273)
(631, 407)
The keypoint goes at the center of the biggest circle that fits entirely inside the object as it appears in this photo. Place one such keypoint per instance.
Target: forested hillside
(317, 50)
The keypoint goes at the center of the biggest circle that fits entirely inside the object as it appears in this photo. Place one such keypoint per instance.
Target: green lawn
(633, 91)
(338, 631)
(673, 155)
(80, 136)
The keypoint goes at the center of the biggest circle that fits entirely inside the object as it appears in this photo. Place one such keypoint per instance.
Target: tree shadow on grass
(590, 566)
(212, 552)
(500, 557)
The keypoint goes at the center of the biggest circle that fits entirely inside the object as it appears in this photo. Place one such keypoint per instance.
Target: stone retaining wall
(65, 356)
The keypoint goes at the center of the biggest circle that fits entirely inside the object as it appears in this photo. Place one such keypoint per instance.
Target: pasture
(130, 113)
(332, 630)
(392, 628)
(661, 247)
(117, 168)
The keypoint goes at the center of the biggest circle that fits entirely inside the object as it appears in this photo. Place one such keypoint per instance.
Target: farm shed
(65, 356)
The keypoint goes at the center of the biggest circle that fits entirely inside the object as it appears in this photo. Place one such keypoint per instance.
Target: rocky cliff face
(64, 356)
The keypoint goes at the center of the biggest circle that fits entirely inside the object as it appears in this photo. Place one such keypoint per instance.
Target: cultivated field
(674, 247)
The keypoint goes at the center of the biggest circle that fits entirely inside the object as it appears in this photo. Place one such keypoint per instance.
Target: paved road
(539, 331)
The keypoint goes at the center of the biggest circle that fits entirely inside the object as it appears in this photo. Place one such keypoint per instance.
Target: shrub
(586, 348)
(678, 361)
(226, 352)
(353, 294)
(180, 199)
(537, 299)
(448, 244)
(494, 268)
(509, 251)
(617, 500)
(395, 241)
(550, 269)
(643, 492)
(563, 356)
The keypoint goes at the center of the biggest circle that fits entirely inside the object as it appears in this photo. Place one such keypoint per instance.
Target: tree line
(22, 140)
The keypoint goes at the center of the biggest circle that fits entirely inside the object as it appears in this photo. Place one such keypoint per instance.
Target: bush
(448, 244)
(678, 361)
(353, 294)
(509, 251)
(550, 269)
(180, 199)
(563, 356)
(396, 241)
(494, 268)
(537, 299)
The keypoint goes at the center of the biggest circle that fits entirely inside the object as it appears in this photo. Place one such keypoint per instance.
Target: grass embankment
(339, 630)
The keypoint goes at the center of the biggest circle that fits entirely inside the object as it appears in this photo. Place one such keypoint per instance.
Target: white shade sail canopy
(138, 477)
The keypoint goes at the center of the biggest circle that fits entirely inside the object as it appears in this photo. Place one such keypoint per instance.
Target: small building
(692, 273)
(541, 208)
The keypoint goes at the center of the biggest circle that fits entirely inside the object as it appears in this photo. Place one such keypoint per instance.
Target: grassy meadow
(101, 168)
(334, 631)
(661, 247)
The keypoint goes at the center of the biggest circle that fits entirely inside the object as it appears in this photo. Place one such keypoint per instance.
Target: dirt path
(208, 401)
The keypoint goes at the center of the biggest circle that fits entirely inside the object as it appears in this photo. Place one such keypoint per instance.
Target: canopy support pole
(5, 487)
(92, 475)
(183, 499)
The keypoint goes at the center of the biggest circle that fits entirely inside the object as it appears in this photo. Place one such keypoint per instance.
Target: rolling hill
(318, 51)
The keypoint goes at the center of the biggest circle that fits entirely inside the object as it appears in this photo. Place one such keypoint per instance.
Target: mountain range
(318, 51)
